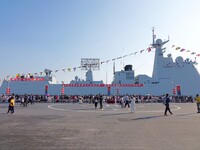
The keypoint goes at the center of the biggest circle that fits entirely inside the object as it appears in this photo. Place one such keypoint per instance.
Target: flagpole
(114, 67)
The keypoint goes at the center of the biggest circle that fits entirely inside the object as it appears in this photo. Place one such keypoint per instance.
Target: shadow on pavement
(186, 114)
(148, 117)
(116, 114)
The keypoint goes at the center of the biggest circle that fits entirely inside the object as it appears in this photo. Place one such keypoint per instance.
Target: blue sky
(56, 34)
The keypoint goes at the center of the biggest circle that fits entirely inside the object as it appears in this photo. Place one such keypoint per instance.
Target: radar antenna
(90, 63)
(153, 36)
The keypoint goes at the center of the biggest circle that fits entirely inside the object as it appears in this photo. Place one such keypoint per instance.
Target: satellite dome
(179, 59)
(158, 41)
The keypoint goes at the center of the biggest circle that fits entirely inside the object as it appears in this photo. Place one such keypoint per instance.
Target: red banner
(27, 79)
(7, 91)
(178, 89)
(46, 89)
(103, 85)
(174, 91)
(62, 90)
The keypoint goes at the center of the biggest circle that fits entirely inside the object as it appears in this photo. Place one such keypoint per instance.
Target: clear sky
(56, 34)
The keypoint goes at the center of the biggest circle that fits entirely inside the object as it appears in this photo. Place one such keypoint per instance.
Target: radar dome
(158, 41)
(179, 59)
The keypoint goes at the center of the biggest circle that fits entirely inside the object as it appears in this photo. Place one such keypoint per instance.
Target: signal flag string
(69, 69)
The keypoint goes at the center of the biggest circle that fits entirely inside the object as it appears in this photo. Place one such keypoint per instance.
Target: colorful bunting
(125, 56)
(182, 50)
(149, 49)
(130, 54)
(198, 55)
(18, 75)
(141, 51)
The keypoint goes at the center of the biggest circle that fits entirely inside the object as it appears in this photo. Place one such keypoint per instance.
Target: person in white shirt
(133, 104)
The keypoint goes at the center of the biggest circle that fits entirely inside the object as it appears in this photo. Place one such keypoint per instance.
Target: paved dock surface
(52, 126)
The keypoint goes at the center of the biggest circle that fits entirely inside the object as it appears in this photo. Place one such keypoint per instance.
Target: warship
(176, 77)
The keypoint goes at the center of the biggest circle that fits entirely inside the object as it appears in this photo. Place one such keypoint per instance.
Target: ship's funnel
(128, 68)
(47, 72)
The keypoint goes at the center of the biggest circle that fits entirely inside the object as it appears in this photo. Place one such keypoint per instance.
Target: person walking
(197, 99)
(11, 101)
(133, 104)
(166, 103)
(96, 101)
(126, 100)
(100, 101)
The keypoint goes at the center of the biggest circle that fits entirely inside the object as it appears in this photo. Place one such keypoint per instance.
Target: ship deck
(73, 126)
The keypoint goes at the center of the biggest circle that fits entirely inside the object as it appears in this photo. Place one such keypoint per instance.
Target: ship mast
(153, 37)
(159, 60)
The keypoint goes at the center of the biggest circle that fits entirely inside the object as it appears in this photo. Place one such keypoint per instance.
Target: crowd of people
(91, 98)
(124, 100)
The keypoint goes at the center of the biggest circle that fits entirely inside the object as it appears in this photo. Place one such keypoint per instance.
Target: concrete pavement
(50, 126)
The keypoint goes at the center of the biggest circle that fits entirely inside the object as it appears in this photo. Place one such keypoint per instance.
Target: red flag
(182, 50)
(149, 49)
(198, 55)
